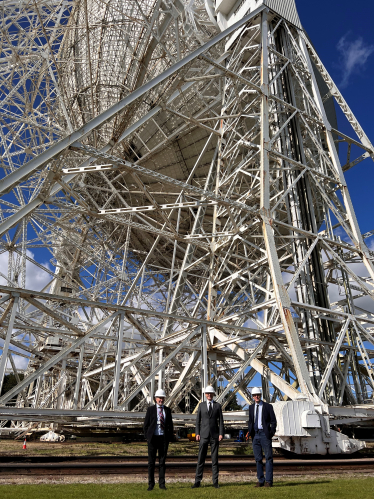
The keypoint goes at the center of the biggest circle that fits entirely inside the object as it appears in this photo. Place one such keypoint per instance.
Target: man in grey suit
(209, 430)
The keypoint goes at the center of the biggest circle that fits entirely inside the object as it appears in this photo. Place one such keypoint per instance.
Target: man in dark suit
(262, 425)
(209, 430)
(159, 431)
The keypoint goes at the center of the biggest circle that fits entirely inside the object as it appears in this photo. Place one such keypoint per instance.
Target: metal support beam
(117, 370)
(4, 355)
(54, 360)
(281, 294)
(332, 359)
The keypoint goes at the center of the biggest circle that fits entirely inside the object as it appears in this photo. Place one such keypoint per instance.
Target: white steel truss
(183, 187)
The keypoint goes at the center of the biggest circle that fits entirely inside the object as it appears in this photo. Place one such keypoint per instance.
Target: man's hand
(197, 438)
(220, 438)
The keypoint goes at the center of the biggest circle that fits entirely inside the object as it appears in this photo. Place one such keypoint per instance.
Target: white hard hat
(160, 393)
(256, 391)
(209, 389)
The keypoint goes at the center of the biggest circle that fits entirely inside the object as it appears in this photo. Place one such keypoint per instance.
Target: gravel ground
(225, 477)
(182, 447)
(36, 448)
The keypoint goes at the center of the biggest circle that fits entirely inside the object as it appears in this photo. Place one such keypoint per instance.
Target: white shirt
(260, 404)
(209, 402)
(158, 430)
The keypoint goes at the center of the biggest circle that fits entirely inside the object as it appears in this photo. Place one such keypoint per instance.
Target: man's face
(209, 396)
(160, 400)
(257, 397)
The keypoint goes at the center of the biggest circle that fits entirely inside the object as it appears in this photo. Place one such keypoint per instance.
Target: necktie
(256, 418)
(162, 419)
(210, 409)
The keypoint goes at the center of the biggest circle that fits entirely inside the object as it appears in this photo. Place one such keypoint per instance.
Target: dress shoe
(215, 485)
(258, 484)
(267, 484)
(196, 485)
(150, 487)
(162, 487)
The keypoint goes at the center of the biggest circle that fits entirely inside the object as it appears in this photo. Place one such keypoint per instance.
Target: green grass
(362, 488)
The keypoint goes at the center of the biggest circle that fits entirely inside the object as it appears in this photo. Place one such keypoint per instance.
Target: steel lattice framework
(184, 188)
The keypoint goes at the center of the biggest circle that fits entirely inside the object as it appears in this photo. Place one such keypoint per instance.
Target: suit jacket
(269, 421)
(209, 426)
(150, 423)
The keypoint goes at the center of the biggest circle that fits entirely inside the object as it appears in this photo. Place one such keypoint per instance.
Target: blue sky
(342, 32)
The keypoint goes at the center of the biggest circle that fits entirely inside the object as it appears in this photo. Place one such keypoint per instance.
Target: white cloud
(36, 278)
(354, 56)
(20, 362)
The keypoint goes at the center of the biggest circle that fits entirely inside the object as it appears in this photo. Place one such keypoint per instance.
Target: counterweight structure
(174, 213)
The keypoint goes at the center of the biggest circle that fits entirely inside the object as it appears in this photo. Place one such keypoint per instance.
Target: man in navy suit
(262, 425)
(159, 431)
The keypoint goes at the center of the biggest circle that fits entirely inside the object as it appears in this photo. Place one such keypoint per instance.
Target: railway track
(181, 465)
